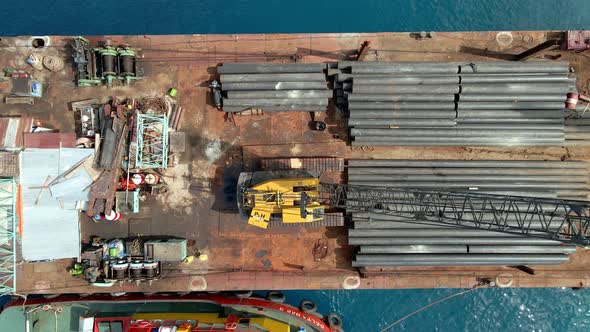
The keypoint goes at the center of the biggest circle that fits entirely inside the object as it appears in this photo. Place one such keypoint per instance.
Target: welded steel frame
(8, 249)
(562, 220)
(152, 141)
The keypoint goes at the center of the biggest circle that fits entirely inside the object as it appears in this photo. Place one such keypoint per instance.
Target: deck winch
(105, 64)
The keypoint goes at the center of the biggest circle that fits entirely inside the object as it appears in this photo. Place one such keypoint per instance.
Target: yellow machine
(291, 195)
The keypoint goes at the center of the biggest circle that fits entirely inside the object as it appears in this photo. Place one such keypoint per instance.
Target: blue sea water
(489, 309)
(94, 17)
(362, 310)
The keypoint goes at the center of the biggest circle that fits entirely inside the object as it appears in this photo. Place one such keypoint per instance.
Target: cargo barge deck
(197, 206)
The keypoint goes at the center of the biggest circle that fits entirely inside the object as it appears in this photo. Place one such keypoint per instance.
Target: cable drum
(53, 63)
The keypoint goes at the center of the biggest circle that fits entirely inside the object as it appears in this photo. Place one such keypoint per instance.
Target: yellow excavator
(292, 196)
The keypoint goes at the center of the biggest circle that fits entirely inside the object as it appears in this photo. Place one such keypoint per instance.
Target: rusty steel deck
(195, 207)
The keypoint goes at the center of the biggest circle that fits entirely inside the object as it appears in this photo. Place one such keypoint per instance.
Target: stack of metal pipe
(532, 178)
(274, 87)
(385, 240)
(396, 240)
(454, 104)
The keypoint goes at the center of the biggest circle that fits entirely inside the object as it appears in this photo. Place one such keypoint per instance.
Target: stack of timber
(394, 240)
(274, 87)
(454, 104)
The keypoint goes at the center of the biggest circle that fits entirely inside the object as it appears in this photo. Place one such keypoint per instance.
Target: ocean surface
(490, 309)
(75, 17)
(362, 310)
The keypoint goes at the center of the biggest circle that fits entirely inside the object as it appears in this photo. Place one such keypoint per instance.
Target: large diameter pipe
(479, 120)
(451, 178)
(280, 94)
(509, 126)
(283, 108)
(471, 249)
(460, 257)
(404, 68)
(424, 240)
(405, 89)
(416, 249)
(524, 105)
(473, 262)
(401, 123)
(514, 88)
(254, 68)
(289, 77)
(474, 185)
(402, 114)
(512, 67)
(401, 97)
(511, 98)
(426, 232)
(379, 224)
(467, 171)
(405, 105)
(451, 132)
(275, 102)
(409, 80)
(510, 114)
(274, 86)
(455, 141)
(554, 164)
(474, 78)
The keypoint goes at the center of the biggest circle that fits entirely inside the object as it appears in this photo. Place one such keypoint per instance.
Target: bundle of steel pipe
(407, 100)
(274, 87)
(384, 240)
(560, 179)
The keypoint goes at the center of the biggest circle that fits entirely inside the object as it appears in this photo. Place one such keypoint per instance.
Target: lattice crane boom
(567, 221)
